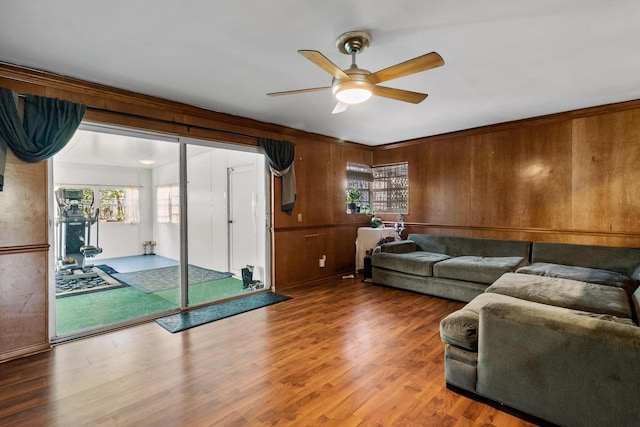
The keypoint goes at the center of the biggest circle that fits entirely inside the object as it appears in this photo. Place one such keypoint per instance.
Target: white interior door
(242, 217)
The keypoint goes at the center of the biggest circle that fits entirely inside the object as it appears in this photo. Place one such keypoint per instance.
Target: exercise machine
(76, 216)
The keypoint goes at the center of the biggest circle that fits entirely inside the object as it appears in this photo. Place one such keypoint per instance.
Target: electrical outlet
(299, 217)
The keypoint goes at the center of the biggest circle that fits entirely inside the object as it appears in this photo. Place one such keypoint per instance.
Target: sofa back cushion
(620, 260)
(465, 246)
(398, 247)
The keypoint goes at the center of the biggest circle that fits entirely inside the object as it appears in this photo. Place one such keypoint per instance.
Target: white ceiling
(504, 59)
(93, 146)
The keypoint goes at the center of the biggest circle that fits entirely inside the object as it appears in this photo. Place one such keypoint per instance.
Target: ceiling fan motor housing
(353, 42)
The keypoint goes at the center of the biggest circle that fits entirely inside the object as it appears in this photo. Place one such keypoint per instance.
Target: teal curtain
(48, 125)
(280, 155)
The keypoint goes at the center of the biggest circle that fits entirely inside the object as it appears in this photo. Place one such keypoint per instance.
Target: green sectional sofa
(550, 329)
(562, 350)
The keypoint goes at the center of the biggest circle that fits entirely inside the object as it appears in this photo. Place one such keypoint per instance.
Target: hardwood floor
(341, 352)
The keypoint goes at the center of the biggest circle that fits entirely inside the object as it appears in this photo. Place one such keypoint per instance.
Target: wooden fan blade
(399, 94)
(340, 107)
(321, 61)
(412, 66)
(292, 92)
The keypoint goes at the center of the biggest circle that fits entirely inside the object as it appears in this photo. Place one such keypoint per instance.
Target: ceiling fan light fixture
(353, 96)
(352, 91)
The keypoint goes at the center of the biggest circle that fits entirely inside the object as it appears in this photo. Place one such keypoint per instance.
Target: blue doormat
(200, 316)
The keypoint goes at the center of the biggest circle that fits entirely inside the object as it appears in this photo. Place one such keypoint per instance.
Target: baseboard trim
(24, 351)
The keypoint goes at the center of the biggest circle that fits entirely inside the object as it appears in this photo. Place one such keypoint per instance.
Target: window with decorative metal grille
(359, 180)
(379, 189)
(390, 188)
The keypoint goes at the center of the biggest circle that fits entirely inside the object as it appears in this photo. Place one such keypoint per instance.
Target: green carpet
(75, 313)
(205, 292)
(181, 321)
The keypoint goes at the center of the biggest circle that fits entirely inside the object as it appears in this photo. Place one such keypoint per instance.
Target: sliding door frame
(183, 142)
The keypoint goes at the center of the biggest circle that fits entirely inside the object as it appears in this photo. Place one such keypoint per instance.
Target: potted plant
(366, 209)
(353, 195)
(375, 221)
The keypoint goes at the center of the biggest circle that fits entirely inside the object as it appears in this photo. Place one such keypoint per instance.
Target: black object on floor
(367, 268)
(200, 316)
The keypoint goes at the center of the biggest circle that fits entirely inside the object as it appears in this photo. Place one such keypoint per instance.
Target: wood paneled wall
(23, 259)
(571, 177)
(326, 228)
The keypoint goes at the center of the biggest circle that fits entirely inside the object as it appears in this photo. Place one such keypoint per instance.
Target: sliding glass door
(226, 223)
(137, 236)
(117, 229)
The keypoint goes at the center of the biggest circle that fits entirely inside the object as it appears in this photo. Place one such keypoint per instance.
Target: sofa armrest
(636, 274)
(397, 247)
(567, 368)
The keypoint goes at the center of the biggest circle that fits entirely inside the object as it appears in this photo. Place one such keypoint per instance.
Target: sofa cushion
(566, 293)
(419, 263)
(582, 274)
(477, 269)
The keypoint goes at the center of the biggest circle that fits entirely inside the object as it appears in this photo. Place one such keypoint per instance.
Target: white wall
(116, 239)
(166, 235)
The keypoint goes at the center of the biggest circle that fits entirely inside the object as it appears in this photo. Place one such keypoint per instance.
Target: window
(112, 205)
(120, 204)
(116, 204)
(168, 203)
(359, 179)
(390, 192)
(379, 189)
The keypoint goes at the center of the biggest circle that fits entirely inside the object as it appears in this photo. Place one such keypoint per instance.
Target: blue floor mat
(180, 322)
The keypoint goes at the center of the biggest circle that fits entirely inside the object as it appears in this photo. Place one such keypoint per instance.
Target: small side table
(367, 239)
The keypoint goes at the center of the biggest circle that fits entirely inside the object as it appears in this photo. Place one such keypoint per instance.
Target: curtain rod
(140, 116)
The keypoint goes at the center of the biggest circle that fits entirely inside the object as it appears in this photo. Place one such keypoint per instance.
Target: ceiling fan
(355, 85)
